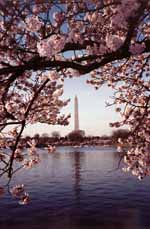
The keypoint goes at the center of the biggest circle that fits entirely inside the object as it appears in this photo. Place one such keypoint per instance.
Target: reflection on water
(78, 188)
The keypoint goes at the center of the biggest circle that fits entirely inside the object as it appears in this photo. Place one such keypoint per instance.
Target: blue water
(78, 188)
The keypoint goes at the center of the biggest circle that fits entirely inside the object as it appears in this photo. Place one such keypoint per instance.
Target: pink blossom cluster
(58, 17)
(132, 98)
(19, 193)
(51, 46)
(123, 12)
(33, 24)
(137, 48)
(113, 42)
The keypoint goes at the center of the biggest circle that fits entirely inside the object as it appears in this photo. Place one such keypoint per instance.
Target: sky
(94, 116)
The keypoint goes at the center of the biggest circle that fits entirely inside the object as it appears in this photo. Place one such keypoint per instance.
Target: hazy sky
(94, 116)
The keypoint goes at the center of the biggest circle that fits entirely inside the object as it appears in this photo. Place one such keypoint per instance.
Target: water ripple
(73, 190)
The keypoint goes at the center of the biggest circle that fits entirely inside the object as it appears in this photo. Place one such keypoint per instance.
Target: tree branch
(43, 64)
(23, 126)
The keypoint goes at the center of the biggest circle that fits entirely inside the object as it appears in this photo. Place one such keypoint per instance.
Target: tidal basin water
(78, 189)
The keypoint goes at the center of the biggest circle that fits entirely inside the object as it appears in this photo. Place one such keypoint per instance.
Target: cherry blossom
(113, 42)
(58, 92)
(24, 199)
(33, 24)
(51, 46)
(137, 48)
(17, 190)
(44, 42)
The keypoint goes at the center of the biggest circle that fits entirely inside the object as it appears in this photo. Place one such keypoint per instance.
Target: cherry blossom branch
(10, 123)
(23, 126)
(133, 23)
(83, 69)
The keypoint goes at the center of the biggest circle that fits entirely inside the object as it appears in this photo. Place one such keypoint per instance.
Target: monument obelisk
(76, 114)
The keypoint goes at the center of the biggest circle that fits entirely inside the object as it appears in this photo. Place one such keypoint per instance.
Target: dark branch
(40, 63)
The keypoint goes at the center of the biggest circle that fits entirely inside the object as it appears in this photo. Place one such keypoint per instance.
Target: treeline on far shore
(76, 138)
(72, 139)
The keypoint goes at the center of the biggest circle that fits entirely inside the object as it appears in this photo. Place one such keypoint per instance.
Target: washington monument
(76, 114)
